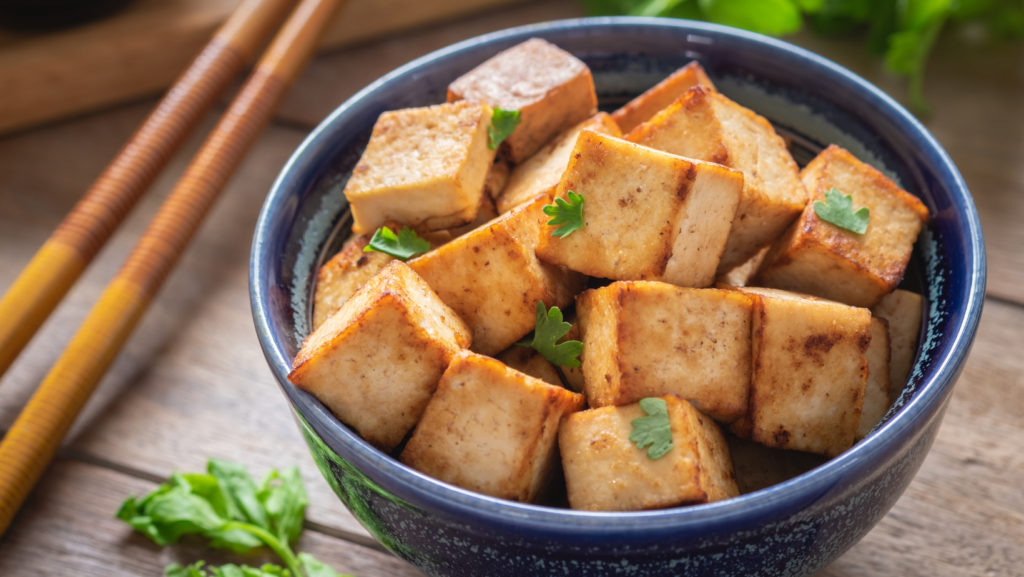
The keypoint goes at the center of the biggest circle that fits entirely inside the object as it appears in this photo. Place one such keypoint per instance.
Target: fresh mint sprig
(227, 507)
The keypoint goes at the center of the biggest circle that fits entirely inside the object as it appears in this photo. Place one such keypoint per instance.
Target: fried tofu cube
(497, 179)
(491, 429)
(819, 258)
(340, 277)
(809, 374)
(551, 89)
(876, 391)
(605, 471)
(423, 167)
(541, 173)
(661, 96)
(902, 310)
(492, 278)
(648, 215)
(573, 376)
(528, 361)
(376, 362)
(705, 125)
(648, 339)
(758, 467)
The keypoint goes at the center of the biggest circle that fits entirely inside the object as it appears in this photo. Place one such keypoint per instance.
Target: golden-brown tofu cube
(661, 96)
(541, 173)
(809, 373)
(758, 467)
(876, 391)
(497, 179)
(376, 361)
(528, 361)
(902, 310)
(573, 376)
(551, 89)
(648, 339)
(605, 471)
(423, 167)
(492, 278)
(819, 258)
(648, 215)
(705, 125)
(491, 429)
(340, 277)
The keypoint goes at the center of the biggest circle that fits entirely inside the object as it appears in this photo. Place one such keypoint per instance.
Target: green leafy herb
(550, 328)
(568, 214)
(503, 123)
(838, 210)
(653, 430)
(228, 508)
(404, 245)
(902, 31)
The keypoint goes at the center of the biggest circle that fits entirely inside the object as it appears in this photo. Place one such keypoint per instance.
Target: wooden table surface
(192, 382)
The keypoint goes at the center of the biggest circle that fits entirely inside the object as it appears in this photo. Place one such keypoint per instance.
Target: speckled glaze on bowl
(794, 528)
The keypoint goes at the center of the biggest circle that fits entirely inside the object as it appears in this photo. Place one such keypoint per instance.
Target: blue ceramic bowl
(794, 528)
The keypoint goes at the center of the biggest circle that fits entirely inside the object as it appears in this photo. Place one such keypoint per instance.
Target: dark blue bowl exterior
(794, 528)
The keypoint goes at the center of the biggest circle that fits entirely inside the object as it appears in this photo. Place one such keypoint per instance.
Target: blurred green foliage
(902, 32)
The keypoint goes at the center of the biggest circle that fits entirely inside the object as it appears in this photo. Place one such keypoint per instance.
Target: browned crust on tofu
(376, 361)
(613, 205)
(491, 429)
(817, 257)
(551, 89)
(660, 96)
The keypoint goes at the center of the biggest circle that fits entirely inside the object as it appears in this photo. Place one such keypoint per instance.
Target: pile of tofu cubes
(702, 276)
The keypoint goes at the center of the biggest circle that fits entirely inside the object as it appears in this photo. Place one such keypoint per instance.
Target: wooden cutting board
(142, 49)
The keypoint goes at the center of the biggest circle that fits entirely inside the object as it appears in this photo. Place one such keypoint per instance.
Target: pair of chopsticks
(36, 434)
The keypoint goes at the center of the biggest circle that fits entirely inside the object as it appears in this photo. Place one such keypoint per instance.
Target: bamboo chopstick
(34, 437)
(64, 256)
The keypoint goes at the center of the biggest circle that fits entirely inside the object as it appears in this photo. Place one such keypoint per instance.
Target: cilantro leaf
(503, 123)
(773, 17)
(404, 246)
(284, 497)
(653, 430)
(227, 507)
(550, 328)
(568, 214)
(838, 210)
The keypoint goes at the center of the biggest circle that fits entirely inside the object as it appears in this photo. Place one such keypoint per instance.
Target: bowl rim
(441, 497)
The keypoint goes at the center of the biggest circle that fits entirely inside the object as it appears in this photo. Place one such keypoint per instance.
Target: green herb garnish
(550, 328)
(568, 214)
(227, 507)
(503, 123)
(404, 245)
(653, 430)
(838, 210)
(902, 31)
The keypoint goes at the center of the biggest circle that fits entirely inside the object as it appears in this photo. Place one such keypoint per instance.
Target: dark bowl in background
(794, 528)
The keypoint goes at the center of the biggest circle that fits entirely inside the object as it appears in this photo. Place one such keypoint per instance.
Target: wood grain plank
(68, 527)
(141, 50)
(964, 512)
(192, 381)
